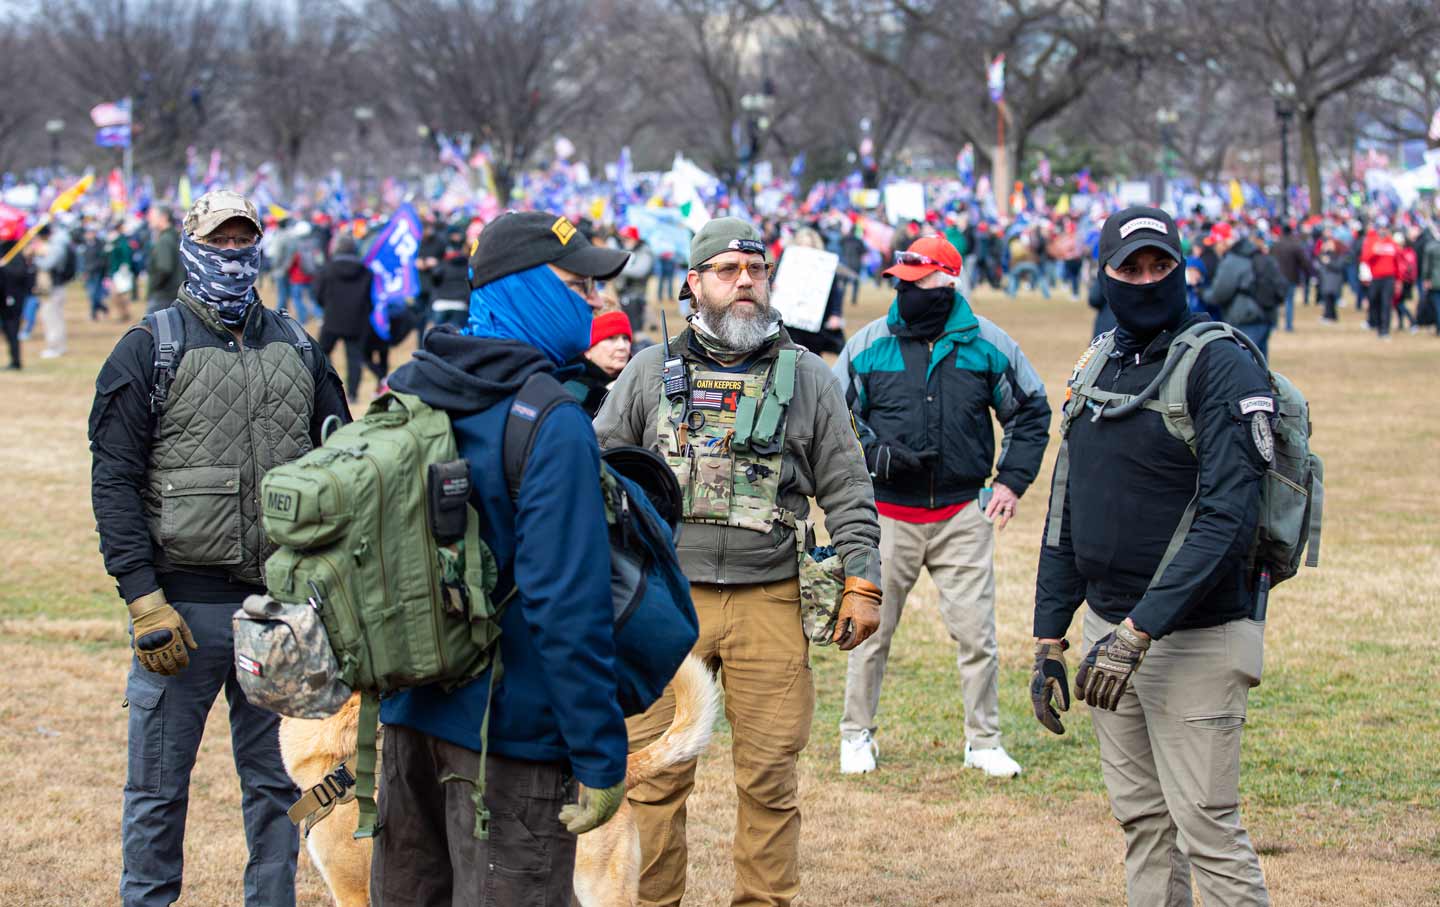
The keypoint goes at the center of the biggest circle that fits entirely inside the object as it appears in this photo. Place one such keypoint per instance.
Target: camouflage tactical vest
(231, 415)
(725, 439)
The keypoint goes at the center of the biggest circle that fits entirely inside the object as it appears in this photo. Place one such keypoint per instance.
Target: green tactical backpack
(1292, 492)
(344, 516)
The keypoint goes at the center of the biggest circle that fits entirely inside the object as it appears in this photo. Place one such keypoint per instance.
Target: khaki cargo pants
(1170, 755)
(960, 554)
(753, 634)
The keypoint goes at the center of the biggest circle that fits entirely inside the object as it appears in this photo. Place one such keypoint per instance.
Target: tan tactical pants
(959, 553)
(753, 634)
(1170, 754)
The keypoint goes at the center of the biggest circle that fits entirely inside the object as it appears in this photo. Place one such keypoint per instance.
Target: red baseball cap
(926, 255)
(630, 232)
(1220, 232)
(607, 325)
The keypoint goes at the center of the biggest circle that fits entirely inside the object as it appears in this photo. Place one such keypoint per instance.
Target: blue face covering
(533, 307)
(223, 279)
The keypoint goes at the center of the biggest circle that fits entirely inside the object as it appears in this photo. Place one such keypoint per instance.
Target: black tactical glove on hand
(159, 635)
(1105, 673)
(1048, 677)
(891, 459)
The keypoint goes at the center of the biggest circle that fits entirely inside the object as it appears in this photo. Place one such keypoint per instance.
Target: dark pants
(1328, 300)
(95, 287)
(11, 322)
(426, 852)
(1382, 291)
(354, 359)
(167, 718)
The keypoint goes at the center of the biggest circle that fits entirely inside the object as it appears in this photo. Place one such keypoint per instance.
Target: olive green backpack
(345, 517)
(1292, 493)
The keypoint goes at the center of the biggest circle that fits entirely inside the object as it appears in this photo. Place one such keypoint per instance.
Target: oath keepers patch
(282, 504)
(716, 393)
(1261, 434)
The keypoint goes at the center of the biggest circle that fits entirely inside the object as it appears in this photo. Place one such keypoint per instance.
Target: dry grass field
(1340, 776)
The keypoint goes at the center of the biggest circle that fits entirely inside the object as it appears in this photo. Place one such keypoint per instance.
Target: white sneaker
(857, 755)
(993, 761)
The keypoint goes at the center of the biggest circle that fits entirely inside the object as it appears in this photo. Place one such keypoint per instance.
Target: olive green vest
(232, 414)
(725, 440)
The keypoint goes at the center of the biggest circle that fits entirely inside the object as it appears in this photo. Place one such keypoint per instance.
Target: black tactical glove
(1105, 673)
(1047, 678)
(892, 459)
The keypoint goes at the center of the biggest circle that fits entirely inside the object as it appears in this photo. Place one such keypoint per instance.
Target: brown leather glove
(159, 635)
(1105, 674)
(859, 615)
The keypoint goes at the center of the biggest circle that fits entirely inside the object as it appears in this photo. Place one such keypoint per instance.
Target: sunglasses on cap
(915, 259)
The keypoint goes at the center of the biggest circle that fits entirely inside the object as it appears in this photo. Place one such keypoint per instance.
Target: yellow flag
(182, 193)
(278, 212)
(1237, 197)
(65, 200)
(597, 210)
(1062, 207)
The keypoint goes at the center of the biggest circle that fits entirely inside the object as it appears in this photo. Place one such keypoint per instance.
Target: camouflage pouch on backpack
(822, 582)
(284, 661)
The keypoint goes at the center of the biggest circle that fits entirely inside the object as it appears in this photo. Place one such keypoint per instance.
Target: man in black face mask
(1169, 729)
(922, 384)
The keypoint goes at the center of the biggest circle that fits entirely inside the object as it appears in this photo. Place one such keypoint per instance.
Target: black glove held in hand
(892, 459)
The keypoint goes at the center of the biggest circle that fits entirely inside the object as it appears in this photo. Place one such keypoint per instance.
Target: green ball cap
(723, 234)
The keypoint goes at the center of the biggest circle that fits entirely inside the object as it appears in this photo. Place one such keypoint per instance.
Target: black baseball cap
(1126, 232)
(520, 240)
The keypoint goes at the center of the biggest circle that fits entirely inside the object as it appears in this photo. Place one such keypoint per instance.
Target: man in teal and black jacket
(922, 384)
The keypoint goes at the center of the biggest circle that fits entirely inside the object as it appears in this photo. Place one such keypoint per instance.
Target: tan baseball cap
(216, 207)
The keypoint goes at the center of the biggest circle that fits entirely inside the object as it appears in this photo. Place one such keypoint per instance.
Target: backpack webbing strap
(1057, 496)
(168, 330)
(365, 764)
(1177, 541)
(538, 395)
(303, 346)
(1317, 510)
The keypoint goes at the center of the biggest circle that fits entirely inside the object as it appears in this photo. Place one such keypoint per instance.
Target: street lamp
(757, 107)
(1165, 118)
(55, 127)
(1284, 112)
(363, 116)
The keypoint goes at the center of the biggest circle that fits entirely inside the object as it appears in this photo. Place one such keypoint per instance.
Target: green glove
(1105, 674)
(595, 808)
(159, 635)
(1048, 677)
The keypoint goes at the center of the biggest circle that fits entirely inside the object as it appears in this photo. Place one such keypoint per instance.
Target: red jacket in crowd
(1380, 254)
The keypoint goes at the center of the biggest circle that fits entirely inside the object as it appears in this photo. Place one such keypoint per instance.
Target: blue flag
(392, 260)
(113, 136)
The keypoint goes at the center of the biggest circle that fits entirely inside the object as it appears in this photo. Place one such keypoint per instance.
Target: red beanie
(608, 324)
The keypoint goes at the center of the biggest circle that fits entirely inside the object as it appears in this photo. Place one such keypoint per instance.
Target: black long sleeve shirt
(1129, 484)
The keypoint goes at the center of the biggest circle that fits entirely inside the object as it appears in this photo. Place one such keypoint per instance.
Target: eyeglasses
(915, 259)
(729, 271)
(228, 241)
(585, 287)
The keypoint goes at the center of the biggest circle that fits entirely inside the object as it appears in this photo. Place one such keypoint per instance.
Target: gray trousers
(960, 554)
(1170, 754)
(167, 718)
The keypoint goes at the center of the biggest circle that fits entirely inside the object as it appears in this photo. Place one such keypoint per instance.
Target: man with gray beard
(753, 426)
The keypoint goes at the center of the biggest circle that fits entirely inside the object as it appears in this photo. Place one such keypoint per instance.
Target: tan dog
(607, 860)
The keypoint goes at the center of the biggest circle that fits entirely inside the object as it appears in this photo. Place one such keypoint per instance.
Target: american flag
(703, 399)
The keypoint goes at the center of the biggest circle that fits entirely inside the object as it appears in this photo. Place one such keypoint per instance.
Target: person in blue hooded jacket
(554, 719)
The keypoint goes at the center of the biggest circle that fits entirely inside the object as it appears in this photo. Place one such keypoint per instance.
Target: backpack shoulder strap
(1078, 389)
(167, 327)
(1172, 402)
(301, 340)
(537, 397)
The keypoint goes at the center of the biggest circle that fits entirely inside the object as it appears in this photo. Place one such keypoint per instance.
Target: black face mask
(1144, 310)
(925, 311)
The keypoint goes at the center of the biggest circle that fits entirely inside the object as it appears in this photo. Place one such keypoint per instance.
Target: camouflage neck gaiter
(223, 279)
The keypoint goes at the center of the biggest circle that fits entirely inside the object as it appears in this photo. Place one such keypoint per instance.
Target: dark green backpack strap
(1078, 389)
(369, 724)
(167, 327)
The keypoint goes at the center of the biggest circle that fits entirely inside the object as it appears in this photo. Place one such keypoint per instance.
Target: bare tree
(1310, 54)
(21, 114)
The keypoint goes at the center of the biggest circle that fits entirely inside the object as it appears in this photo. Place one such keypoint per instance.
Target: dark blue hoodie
(555, 700)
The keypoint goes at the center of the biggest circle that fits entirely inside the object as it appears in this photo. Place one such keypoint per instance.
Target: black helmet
(649, 470)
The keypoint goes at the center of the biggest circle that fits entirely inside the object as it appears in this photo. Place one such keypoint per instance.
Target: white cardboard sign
(802, 286)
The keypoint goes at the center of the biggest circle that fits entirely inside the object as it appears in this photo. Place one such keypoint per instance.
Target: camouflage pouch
(822, 582)
(710, 493)
(757, 485)
(284, 661)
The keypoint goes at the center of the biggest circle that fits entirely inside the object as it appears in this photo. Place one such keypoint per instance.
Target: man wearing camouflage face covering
(191, 408)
